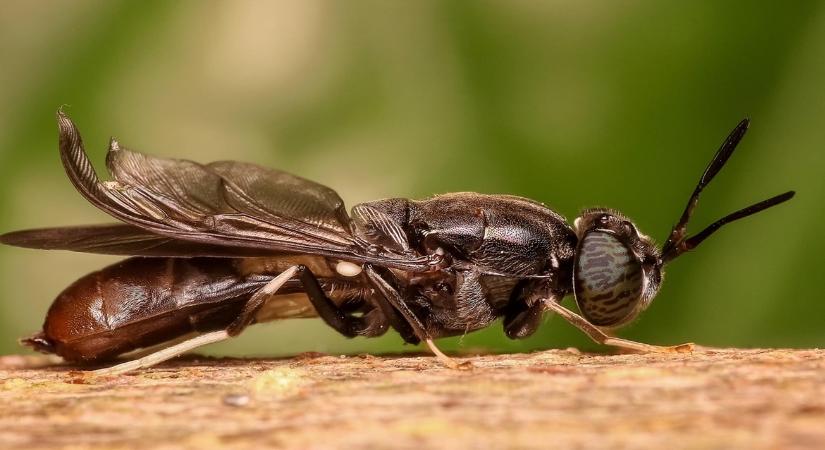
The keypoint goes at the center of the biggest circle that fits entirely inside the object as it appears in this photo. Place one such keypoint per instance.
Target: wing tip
(10, 238)
(69, 136)
(33, 238)
(63, 118)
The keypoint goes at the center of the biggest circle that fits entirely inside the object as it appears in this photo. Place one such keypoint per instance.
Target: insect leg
(258, 300)
(372, 323)
(600, 337)
(146, 351)
(396, 301)
(522, 320)
(396, 320)
(524, 312)
(164, 354)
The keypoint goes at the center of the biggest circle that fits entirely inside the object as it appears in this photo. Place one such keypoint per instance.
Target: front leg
(522, 320)
(523, 314)
(600, 337)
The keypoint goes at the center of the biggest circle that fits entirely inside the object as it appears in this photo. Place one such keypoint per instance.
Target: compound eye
(608, 280)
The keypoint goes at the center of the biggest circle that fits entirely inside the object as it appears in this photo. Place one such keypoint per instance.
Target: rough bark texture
(553, 399)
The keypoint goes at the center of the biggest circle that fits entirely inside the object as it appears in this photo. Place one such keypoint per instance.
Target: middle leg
(396, 301)
(373, 323)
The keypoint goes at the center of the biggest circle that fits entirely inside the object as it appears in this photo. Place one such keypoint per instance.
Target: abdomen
(141, 302)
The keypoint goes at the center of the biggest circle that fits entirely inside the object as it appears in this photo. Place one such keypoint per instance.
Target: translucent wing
(228, 204)
(277, 194)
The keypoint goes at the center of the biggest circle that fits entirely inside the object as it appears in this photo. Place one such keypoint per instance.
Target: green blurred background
(574, 104)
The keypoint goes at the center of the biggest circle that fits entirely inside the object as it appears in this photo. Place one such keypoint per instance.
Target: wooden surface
(553, 399)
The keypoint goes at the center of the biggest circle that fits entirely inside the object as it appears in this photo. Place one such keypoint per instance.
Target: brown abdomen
(140, 302)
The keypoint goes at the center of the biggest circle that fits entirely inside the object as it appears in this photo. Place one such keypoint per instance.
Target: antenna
(677, 243)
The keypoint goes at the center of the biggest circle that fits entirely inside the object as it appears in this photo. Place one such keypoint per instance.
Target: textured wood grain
(558, 398)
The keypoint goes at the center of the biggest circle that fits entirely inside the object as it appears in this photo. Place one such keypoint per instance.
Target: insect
(218, 247)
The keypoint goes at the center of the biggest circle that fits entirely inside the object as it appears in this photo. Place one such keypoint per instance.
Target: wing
(223, 204)
(120, 239)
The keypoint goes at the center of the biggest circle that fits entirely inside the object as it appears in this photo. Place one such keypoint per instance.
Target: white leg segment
(165, 354)
(600, 337)
(446, 360)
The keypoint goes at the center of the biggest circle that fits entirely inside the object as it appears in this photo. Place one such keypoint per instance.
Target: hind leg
(373, 323)
(164, 354)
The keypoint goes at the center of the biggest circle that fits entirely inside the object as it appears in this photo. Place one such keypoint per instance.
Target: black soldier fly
(217, 247)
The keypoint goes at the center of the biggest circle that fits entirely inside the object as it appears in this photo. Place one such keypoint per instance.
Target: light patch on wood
(280, 382)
